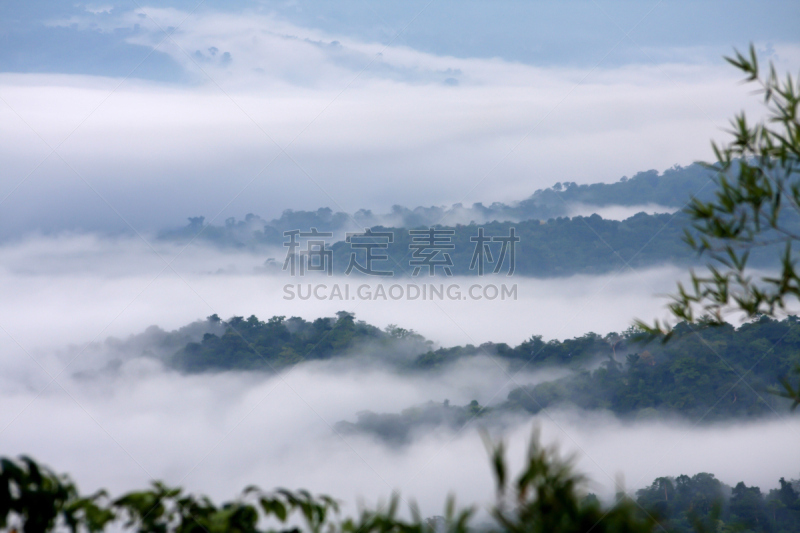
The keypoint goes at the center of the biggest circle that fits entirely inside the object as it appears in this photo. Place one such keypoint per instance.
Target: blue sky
(574, 33)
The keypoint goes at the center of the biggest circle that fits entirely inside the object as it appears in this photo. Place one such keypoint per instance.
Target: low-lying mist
(216, 433)
(79, 288)
(96, 408)
(616, 212)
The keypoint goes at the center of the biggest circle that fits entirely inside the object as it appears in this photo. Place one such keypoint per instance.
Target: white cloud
(117, 424)
(216, 434)
(617, 212)
(395, 133)
(99, 9)
(81, 284)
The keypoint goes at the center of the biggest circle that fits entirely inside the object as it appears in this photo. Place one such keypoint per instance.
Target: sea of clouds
(274, 115)
(111, 414)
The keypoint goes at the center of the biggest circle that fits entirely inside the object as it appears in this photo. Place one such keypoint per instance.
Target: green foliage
(250, 344)
(40, 500)
(702, 503)
(685, 503)
(552, 244)
(547, 498)
(673, 188)
(708, 372)
(756, 206)
(705, 373)
(556, 247)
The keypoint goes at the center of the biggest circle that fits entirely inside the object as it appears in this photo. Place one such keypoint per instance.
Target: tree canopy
(756, 206)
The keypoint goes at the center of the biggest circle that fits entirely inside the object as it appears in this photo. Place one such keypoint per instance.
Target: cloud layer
(218, 433)
(82, 287)
(283, 116)
(116, 419)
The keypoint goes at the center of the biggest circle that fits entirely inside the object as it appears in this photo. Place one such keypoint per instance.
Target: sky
(131, 116)
(120, 119)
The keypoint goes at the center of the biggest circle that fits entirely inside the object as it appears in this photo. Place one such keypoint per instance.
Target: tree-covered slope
(671, 189)
(558, 247)
(704, 373)
(251, 344)
(551, 242)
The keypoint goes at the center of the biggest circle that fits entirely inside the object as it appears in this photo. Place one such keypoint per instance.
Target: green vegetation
(558, 247)
(671, 189)
(703, 503)
(250, 344)
(705, 372)
(755, 206)
(546, 497)
(36, 500)
(551, 246)
(552, 243)
(396, 429)
(742, 211)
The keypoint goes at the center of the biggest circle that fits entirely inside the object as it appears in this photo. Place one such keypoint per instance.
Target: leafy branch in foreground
(756, 206)
(546, 498)
(755, 212)
(36, 500)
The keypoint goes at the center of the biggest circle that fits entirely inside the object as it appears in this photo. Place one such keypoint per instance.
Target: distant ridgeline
(551, 243)
(672, 189)
(704, 373)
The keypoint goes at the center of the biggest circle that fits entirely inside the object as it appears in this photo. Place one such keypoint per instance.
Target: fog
(218, 433)
(84, 288)
(109, 413)
(617, 212)
(153, 156)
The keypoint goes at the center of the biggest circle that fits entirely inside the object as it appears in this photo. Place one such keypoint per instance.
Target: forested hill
(706, 373)
(671, 189)
(250, 344)
(559, 247)
(703, 503)
(548, 243)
